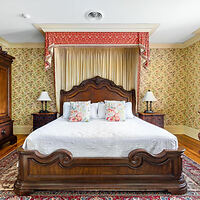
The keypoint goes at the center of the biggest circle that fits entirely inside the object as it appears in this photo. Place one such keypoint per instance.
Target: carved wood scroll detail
(62, 156)
(138, 156)
(97, 89)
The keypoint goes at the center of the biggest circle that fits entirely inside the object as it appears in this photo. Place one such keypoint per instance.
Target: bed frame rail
(140, 171)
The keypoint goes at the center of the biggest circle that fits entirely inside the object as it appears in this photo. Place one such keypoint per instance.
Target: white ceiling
(178, 19)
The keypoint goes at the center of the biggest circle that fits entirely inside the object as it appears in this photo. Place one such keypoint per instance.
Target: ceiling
(177, 19)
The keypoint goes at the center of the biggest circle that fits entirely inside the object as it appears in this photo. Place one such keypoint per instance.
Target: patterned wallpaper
(173, 76)
(165, 77)
(29, 78)
(192, 82)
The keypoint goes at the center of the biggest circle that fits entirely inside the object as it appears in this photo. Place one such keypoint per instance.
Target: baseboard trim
(175, 129)
(181, 129)
(192, 132)
(26, 129)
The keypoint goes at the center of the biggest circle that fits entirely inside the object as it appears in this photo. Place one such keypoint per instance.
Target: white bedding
(100, 138)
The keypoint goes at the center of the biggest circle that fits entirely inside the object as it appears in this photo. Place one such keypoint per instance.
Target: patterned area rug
(8, 173)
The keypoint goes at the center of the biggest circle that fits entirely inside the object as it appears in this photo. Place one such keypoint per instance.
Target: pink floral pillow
(115, 111)
(79, 111)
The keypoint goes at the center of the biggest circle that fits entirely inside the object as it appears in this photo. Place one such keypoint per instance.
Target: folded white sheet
(100, 138)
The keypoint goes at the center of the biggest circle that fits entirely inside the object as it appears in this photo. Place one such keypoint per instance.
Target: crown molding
(93, 27)
(166, 46)
(189, 42)
(197, 32)
(27, 45)
(193, 39)
(39, 29)
(3, 42)
(21, 45)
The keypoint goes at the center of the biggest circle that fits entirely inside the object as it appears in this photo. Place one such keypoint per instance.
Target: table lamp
(149, 97)
(44, 97)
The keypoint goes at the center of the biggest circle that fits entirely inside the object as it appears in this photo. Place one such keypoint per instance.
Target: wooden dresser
(153, 118)
(6, 123)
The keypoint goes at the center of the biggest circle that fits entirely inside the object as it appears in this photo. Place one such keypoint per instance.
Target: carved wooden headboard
(97, 89)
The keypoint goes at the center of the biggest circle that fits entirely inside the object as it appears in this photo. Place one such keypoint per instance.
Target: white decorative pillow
(101, 110)
(128, 110)
(115, 111)
(93, 111)
(79, 111)
(66, 110)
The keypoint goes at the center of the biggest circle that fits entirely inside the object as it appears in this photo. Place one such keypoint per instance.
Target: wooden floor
(191, 145)
(6, 148)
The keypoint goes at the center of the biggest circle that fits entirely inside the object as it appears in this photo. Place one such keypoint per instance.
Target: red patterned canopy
(125, 39)
(140, 39)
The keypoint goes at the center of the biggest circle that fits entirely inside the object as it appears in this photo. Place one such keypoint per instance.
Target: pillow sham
(93, 110)
(79, 111)
(128, 110)
(115, 111)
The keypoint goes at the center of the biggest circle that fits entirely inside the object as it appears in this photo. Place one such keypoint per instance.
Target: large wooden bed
(140, 171)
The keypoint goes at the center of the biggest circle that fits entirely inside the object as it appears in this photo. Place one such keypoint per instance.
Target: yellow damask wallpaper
(173, 76)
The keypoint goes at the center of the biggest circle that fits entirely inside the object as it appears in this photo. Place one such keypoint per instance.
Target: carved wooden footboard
(140, 171)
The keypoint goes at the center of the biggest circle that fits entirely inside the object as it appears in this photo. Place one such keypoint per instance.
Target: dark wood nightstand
(153, 118)
(40, 119)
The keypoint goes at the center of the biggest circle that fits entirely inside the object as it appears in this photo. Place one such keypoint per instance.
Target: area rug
(8, 173)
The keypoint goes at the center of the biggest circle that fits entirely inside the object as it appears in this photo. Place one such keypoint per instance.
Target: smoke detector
(25, 16)
(94, 15)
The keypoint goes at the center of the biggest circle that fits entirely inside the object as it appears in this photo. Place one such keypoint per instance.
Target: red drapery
(140, 39)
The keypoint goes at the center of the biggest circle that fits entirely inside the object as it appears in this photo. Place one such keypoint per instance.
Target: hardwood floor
(191, 145)
(6, 148)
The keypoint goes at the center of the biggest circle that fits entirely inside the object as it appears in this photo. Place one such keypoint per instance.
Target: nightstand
(153, 118)
(40, 119)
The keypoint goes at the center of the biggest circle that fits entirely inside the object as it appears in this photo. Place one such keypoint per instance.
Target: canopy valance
(128, 39)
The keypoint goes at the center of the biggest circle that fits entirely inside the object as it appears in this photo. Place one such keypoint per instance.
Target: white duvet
(100, 138)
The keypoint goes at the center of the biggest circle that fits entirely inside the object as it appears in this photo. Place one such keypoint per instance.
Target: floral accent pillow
(115, 111)
(79, 111)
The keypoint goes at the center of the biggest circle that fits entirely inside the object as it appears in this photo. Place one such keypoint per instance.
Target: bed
(112, 166)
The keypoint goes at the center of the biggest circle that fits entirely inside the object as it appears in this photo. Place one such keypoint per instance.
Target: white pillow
(101, 110)
(93, 110)
(66, 110)
(128, 110)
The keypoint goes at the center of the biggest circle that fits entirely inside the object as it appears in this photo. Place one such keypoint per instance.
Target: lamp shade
(44, 96)
(149, 96)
